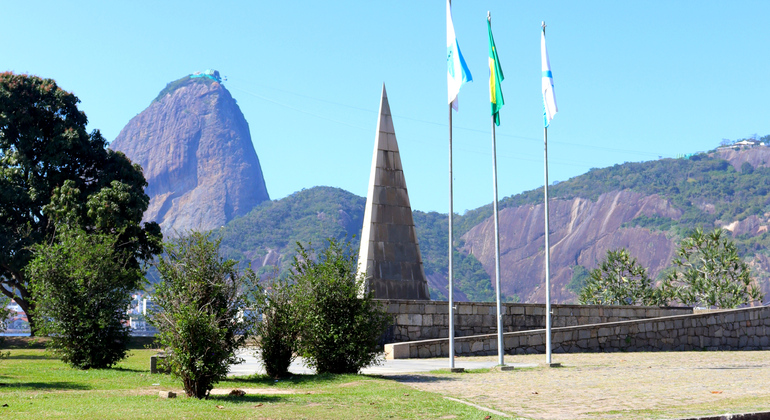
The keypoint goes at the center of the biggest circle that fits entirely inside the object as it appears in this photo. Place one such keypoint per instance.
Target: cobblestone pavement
(613, 385)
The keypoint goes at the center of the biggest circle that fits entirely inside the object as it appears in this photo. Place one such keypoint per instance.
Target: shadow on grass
(32, 357)
(72, 386)
(248, 399)
(298, 379)
(419, 378)
(125, 369)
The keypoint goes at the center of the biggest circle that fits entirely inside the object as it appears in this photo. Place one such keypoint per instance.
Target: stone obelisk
(390, 255)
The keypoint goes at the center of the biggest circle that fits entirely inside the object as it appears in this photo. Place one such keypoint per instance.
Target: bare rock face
(757, 156)
(581, 233)
(750, 226)
(196, 151)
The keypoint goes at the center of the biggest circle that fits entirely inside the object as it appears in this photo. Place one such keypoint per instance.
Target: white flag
(457, 70)
(549, 98)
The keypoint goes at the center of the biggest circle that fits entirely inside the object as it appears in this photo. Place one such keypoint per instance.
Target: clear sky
(634, 80)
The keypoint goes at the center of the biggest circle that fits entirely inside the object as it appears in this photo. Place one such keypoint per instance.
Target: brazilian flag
(495, 77)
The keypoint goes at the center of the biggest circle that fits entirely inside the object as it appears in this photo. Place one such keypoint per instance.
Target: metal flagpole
(500, 351)
(546, 120)
(547, 259)
(451, 282)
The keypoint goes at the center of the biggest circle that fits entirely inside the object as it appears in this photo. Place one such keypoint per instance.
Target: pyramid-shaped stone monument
(390, 255)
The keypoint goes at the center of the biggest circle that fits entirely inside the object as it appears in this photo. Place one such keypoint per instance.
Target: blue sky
(633, 80)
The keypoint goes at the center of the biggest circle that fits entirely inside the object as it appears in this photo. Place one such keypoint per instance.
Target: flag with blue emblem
(549, 98)
(457, 70)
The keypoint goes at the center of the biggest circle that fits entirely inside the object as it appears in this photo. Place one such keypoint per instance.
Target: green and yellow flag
(495, 77)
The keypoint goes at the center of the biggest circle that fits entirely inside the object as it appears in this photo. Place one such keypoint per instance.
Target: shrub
(709, 272)
(198, 302)
(620, 280)
(81, 286)
(340, 325)
(278, 331)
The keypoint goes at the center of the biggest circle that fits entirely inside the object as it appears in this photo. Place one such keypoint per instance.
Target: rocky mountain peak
(194, 145)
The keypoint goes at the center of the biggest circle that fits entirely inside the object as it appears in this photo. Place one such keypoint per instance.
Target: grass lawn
(35, 385)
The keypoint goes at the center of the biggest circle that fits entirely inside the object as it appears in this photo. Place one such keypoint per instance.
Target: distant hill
(266, 238)
(645, 207)
(196, 151)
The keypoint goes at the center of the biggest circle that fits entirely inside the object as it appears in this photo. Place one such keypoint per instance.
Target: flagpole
(547, 249)
(451, 282)
(500, 349)
(457, 74)
(547, 260)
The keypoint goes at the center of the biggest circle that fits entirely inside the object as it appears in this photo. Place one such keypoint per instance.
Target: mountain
(196, 151)
(646, 207)
(582, 231)
(203, 173)
(266, 237)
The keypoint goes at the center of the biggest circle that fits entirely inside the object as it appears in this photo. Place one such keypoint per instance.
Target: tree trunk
(28, 307)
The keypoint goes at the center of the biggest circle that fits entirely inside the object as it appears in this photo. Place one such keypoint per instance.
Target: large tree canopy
(52, 171)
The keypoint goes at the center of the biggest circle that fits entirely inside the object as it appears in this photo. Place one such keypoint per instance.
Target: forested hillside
(646, 207)
(266, 238)
(709, 190)
(267, 235)
(728, 187)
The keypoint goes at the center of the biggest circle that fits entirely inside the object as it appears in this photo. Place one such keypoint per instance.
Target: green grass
(35, 385)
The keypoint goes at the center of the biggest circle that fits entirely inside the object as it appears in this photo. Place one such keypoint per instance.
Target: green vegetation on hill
(705, 188)
(176, 84)
(314, 214)
(470, 276)
(689, 184)
(307, 216)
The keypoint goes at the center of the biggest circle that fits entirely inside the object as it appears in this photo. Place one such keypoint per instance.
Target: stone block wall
(421, 320)
(737, 329)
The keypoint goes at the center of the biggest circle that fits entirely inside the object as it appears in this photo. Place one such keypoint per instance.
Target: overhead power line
(575, 163)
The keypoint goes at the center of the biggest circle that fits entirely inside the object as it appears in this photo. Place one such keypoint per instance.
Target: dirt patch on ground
(615, 385)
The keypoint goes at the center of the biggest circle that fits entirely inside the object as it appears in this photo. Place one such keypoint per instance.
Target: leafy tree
(81, 283)
(278, 330)
(198, 315)
(51, 167)
(340, 324)
(620, 280)
(710, 273)
(747, 168)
